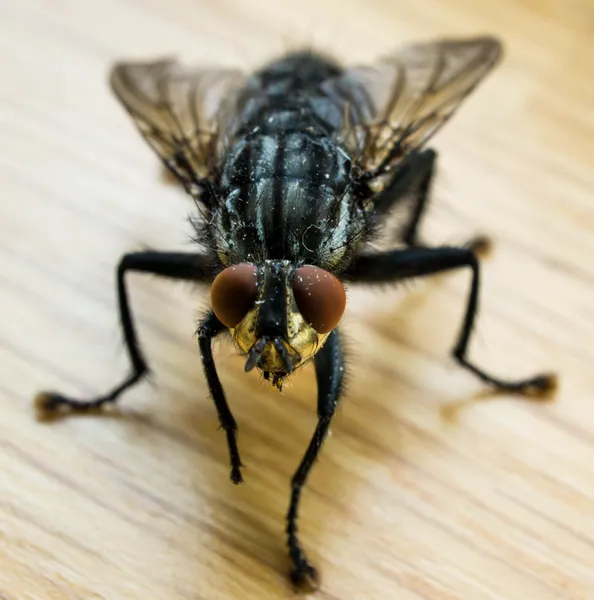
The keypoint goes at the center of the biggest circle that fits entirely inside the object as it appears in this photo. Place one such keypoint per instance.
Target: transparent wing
(180, 111)
(397, 105)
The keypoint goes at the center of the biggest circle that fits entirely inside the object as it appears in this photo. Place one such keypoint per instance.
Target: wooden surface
(429, 488)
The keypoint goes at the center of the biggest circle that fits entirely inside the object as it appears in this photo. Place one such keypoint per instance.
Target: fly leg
(209, 328)
(397, 265)
(175, 265)
(329, 374)
(426, 167)
(418, 171)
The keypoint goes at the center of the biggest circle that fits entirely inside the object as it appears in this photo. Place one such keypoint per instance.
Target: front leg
(174, 265)
(402, 264)
(329, 365)
(209, 328)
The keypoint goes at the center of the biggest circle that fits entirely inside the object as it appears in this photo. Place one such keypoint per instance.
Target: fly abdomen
(297, 71)
(286, 95)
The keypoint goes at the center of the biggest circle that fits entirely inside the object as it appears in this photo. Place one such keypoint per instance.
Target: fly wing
(179, 111)
(397, 105)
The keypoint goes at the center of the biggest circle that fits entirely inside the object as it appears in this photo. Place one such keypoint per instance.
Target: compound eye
(320, 297)
(233, 293)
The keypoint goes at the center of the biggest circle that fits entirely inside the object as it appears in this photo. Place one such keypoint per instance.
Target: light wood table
(430, 487)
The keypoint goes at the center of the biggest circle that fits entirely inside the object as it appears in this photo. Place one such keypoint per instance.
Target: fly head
(279, 314)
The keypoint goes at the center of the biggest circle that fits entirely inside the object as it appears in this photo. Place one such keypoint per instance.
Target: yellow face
(302, 341)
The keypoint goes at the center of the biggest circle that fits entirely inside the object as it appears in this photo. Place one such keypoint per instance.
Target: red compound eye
(233, 293)
(320, 297)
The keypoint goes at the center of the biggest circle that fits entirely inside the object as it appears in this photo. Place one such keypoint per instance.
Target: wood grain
(429, 488)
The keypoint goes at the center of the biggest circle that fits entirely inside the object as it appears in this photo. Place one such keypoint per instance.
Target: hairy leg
(174, 265)
(209, 328)
(417, 262)
(415, 177)
(329, 365)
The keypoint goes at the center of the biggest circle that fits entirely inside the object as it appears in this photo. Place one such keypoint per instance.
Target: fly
(295, 172)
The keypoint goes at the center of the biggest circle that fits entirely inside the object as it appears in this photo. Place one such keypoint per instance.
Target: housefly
(294, 172)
